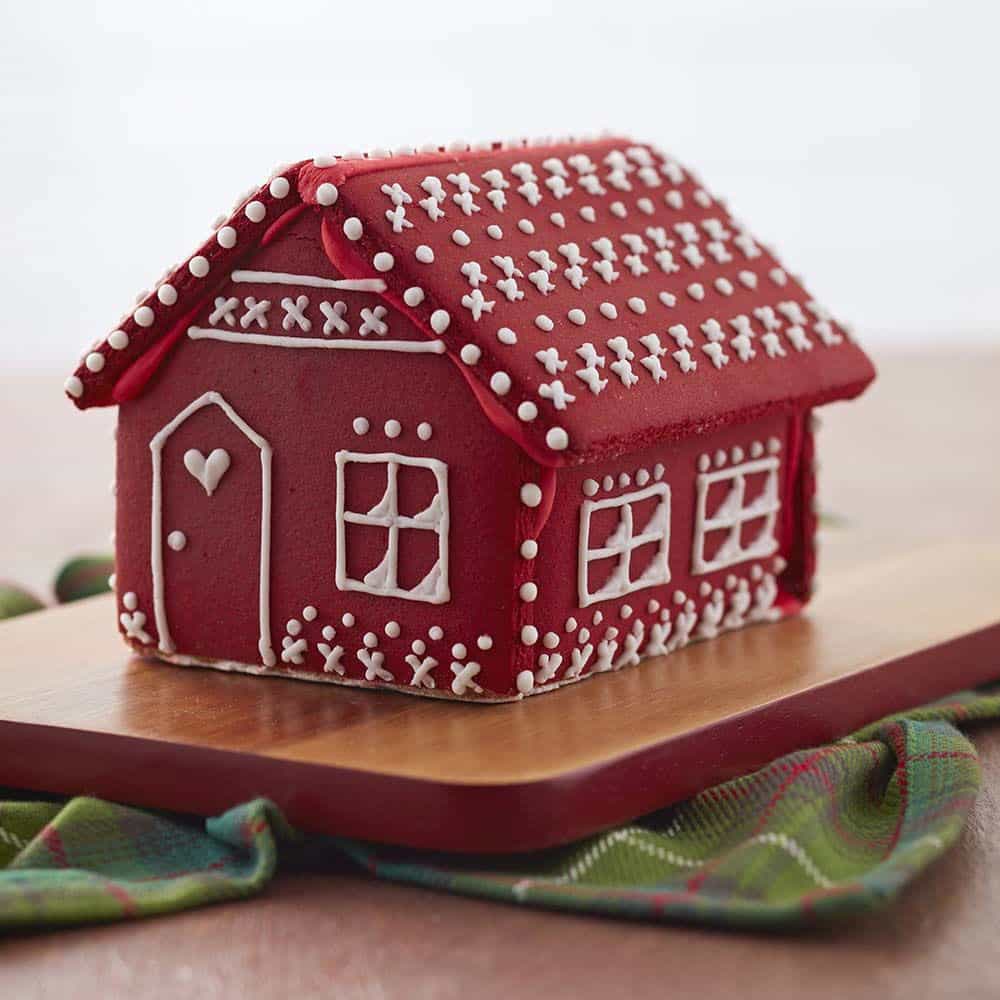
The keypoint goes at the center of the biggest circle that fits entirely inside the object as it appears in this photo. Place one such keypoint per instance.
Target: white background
(859, 137)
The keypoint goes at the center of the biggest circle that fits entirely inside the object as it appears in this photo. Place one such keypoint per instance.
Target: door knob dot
(177, 540)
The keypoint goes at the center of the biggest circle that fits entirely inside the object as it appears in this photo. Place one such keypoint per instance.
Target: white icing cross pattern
(295, 313)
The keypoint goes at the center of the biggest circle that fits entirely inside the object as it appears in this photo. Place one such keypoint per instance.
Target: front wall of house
(317, 434)
(713, 538)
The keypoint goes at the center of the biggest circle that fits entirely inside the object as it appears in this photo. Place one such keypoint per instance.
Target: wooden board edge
(497, 818)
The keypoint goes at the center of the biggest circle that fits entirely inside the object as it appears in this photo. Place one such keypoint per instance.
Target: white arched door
(211, 534)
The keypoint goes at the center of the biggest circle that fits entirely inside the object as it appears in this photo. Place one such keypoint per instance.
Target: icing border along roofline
(555, 423)
(348, 218)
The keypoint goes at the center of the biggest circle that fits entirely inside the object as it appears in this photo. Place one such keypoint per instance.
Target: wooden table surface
(930, 428)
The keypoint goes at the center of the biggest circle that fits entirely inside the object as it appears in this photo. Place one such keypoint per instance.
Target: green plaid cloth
(816, 835)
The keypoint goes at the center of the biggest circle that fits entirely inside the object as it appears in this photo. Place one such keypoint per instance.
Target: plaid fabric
(818, 834)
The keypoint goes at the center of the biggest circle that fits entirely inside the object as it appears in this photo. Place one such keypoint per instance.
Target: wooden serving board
(79, 715)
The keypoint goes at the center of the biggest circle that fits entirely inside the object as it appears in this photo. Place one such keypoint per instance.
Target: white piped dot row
(392, 428)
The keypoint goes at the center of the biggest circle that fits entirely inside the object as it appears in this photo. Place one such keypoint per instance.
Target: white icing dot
(383, 262)
(506, 335)
(348, 620)
(558, 219)
(645, 205)
(637, 305)
(255, 211)
(279, 187)
(527, 411)
(571, 624)
(598, 617)
(531, 494)
(177, 540)
(198, 266)
(118, 340)
(392, 630)
(577, 316)
(658, 471)
(144, 316)
(557, 438)
(724, 286)
(696, 291)
(494, 232)
(624, 479)
(500, 383)
(529, 548)
(327, 193)
(309, 613)
(461, 238)
(440, 320)
(73, 386)
(588, 214)
(424, 254)
(551, 640)
(529, 635)
(370, 640)
(642, 477)
(608, 311)
(94, 361)
(361, 425)
(167, 294)
(608, 483)
(470, 354)
(424, 431)
(459, 651)
(525, 682)
(226, 237)
(436, 633)
(393, 428)
(329, 632)
(526, 226)
(543, 322)
(590, 487)
(485, 642)
(353, 228)
(618, 209)
(626, 611)
(418, 646)
(413, 296)
(528, 591)
(293, 626)
(130, 601)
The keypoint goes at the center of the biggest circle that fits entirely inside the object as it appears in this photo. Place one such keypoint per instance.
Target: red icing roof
(595, 295)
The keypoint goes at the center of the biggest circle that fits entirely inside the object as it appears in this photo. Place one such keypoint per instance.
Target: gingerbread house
(472, 422)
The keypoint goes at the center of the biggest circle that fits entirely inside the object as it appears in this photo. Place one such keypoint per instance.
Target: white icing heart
(208, 471)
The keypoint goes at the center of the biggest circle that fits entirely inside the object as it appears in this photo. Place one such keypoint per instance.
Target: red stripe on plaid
(53, 841)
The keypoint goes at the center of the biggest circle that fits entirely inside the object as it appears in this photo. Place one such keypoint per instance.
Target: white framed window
(737, 514)
(624, 544)
(409, 517)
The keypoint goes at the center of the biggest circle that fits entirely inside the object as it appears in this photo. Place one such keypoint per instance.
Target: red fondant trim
(136, 377)
(281, 223)
(349, 263)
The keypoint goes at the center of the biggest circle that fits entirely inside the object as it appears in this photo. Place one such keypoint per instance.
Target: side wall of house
(293, 422)
(748, 487)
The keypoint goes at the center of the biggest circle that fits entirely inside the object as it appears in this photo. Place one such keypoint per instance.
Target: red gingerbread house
(472, 422)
